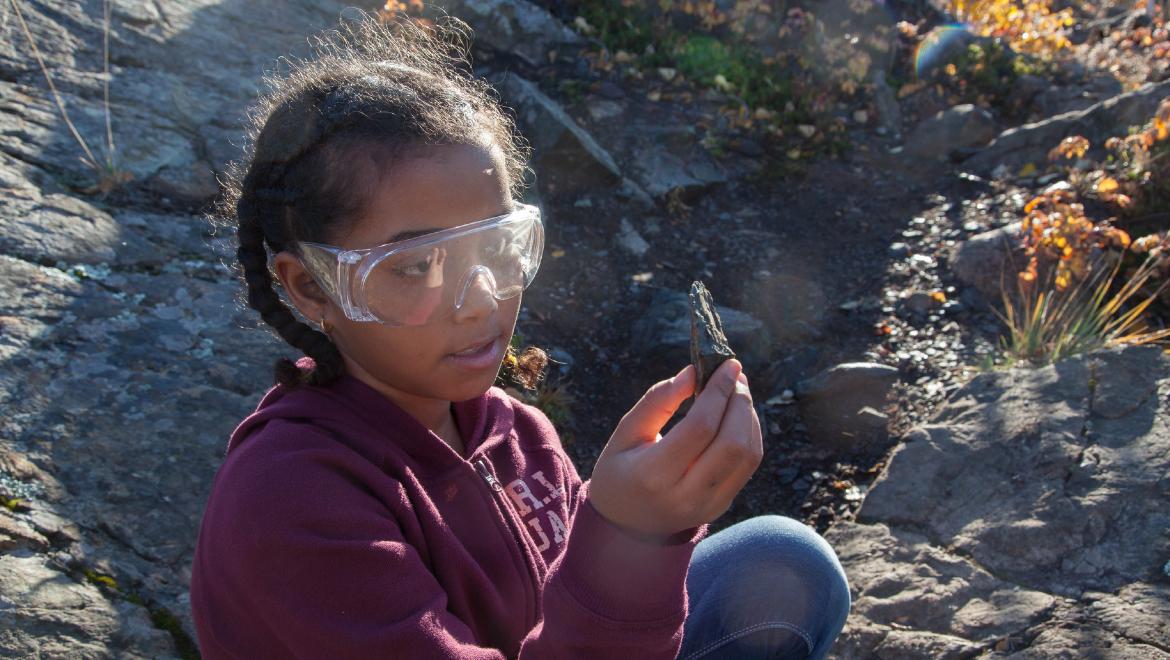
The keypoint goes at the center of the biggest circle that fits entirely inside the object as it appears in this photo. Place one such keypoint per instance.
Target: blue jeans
(768, 587)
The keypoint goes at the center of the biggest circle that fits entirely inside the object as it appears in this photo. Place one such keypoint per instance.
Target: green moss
(100, 579)
(11, 503)
(163, 619)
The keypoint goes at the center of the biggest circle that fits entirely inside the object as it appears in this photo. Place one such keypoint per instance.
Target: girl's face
(423, 368)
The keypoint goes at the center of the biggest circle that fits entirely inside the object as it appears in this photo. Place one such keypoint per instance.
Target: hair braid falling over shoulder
(263, 298)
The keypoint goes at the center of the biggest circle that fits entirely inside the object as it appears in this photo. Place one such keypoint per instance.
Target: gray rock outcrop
(842, 405)
(1031, 515)
(122, 364)
(1030, 143)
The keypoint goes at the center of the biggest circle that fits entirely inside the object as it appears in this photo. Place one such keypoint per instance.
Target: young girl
(384, 500)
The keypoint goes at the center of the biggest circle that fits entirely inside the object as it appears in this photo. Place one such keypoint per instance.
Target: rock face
(562, 149)
(1031, 515)
(1030, 143)
(123, 366)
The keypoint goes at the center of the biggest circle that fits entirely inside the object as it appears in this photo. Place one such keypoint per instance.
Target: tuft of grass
(1047, 323)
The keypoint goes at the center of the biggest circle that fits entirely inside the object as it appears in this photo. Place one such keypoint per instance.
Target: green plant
(1047, 322)
(734, 68)
(107, 171)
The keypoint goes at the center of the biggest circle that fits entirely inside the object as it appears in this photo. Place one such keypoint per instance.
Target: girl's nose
(477, 295)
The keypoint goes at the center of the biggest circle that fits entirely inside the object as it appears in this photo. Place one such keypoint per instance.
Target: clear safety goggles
(426, 278)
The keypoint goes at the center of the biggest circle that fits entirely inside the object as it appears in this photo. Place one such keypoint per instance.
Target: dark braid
(372, 94)
(263, 298)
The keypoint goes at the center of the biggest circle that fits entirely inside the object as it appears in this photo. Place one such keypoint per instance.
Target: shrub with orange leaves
(1029, 26)
(1057, 235)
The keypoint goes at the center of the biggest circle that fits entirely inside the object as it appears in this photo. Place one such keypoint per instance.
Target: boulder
(841, 405)
(950, 131)
(563, 150)
(671, 160)
(989, 262)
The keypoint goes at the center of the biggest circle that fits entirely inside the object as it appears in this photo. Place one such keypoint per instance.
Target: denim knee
(772, 574)
(810, 567)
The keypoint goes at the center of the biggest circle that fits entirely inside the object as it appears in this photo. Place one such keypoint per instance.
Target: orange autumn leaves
(1056, 233)
(1029, 26)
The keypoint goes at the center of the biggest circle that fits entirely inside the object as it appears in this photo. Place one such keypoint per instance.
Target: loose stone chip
(709, 347)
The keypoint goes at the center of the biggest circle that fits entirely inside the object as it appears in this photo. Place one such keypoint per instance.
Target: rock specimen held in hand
(709, 346)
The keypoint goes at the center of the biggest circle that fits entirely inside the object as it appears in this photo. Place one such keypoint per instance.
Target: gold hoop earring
(325, 327)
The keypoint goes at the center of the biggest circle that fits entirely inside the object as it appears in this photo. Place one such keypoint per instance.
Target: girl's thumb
(644, 421)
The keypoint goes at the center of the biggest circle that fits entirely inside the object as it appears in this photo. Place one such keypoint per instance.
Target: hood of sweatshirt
(373, 425)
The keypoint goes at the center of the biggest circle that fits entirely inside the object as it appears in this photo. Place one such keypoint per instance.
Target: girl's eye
(415, 267)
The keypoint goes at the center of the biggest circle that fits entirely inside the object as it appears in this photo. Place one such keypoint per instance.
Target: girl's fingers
(643, 422)
(687, 440)
(734, 454)
(734, 482)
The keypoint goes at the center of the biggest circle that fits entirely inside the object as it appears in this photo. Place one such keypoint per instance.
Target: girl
(384, 500)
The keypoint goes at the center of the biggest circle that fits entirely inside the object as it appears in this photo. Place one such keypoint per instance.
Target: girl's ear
(303, 291)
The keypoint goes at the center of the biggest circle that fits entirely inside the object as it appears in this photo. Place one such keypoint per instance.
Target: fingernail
(741, 385)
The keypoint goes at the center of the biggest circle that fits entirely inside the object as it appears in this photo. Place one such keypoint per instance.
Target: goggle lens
(423, 284)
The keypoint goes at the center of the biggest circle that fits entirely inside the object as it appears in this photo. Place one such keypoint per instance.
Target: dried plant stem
(89, 158)
(110, 159)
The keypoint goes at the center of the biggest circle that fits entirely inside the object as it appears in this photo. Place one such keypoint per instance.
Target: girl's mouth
(480, 356)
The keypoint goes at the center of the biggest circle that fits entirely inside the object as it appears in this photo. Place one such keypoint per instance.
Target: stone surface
(960, 127)
(665, 330)
(988, 262)
(123, 367)
(709, 347)
(47, 613)
(1030, 143)
(563, 150)
(669, 158)
(839, 403)
(516, 27)
(1029, 517)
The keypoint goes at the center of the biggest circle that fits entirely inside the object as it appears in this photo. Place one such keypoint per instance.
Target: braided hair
(373, 93)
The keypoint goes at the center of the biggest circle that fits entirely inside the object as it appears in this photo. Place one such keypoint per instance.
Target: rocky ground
(1026, 515)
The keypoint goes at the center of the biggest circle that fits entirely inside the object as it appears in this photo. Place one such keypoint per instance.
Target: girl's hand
(661, 485)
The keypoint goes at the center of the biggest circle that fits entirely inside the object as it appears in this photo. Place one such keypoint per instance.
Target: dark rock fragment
(709, 347)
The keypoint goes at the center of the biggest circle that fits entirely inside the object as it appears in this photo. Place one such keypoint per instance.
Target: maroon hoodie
(340, 527)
